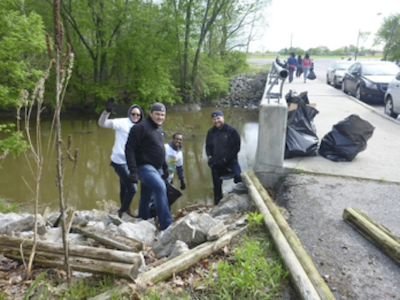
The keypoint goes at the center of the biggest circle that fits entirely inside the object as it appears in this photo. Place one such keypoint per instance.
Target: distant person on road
(174, 158)
(122, 127)
(307, 63)
(292, 65)
(222, 148)
(145, 155)
(299, 66)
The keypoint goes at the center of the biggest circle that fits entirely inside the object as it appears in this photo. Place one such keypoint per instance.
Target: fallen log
(299, 278)
(306, 262)
(177, 264)
(90, 265)
(75, 250)
(373, 233)
(110, 239)
(380, 226)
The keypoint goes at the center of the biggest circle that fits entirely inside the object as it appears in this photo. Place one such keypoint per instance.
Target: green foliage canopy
(22, 42)
(389, 35)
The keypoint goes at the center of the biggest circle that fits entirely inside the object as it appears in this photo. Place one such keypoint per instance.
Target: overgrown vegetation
(6, 207)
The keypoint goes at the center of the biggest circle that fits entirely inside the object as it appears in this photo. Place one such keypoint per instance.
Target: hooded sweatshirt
(122, 127)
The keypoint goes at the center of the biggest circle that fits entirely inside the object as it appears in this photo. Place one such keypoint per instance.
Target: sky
(313, 23)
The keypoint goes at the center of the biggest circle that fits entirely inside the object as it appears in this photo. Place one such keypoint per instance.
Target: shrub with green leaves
(13, 142)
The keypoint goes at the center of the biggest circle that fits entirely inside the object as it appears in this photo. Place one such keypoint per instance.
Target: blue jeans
(291, 71)
(306, 72)
(127, 189)
(152, 187)
(232, 167)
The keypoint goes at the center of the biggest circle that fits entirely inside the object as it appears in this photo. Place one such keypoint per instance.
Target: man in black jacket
(222, 148)
(145, 155)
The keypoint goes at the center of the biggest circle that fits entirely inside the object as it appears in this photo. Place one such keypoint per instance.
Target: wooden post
(109, 239)
(301, 254)
(300, 280)
(74, 250)
(373, 233)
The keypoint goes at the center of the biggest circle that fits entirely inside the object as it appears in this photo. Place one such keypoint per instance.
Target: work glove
(183, 185)
(133, 177)
(110, 104)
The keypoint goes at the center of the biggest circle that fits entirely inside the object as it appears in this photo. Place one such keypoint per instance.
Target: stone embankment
(246, 91)
(192, 227)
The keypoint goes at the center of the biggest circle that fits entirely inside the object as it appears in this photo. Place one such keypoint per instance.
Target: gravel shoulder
(352, 266)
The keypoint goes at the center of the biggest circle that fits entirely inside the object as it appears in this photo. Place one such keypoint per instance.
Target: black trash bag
(347, 138)
(172, 195)
(292, 97)
(301, 137)
(311, 75)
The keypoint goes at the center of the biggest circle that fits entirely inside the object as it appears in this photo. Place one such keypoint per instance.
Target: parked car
(335, 72)
(368, 80)
(392, 97)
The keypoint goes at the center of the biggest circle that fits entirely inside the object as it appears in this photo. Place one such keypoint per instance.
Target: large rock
(232, 203)
(142, 231)
(192, 230)
(12, 223)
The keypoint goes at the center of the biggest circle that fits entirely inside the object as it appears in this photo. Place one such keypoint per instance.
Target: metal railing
(276, 76)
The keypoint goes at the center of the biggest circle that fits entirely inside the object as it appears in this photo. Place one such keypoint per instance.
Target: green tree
(22, 42)
(206, 32)
(389, 35)
(121, 48)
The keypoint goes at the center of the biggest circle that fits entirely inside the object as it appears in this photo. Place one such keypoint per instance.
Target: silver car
(335, 73)
(392, 97)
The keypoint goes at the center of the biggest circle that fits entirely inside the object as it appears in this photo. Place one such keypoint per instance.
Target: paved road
(379, 160)
(321, 65)
(352, 266)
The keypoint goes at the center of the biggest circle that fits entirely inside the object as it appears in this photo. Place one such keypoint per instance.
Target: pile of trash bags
(346, 139)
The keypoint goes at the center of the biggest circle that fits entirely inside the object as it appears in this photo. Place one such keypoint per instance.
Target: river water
(94, 180)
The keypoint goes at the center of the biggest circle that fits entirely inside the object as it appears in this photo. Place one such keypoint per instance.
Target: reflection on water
(94, 179)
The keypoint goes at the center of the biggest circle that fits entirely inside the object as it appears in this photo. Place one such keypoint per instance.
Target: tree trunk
(186, 47)
(301, 254)
(300, 280)
(383, 239)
